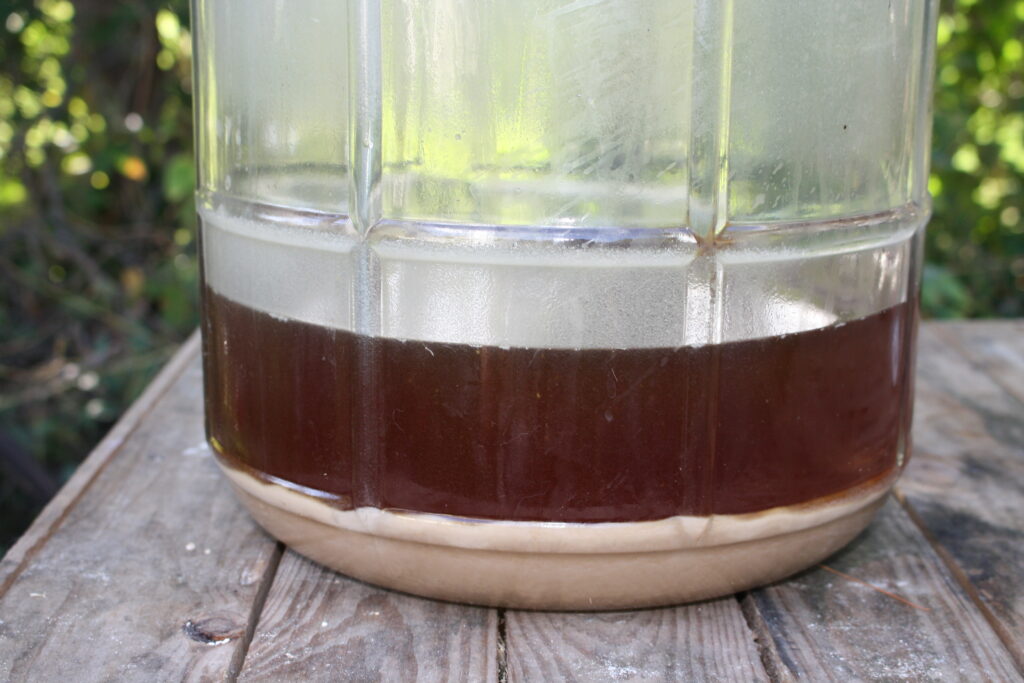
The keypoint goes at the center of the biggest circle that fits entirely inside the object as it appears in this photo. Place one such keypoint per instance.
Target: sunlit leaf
(12, 192)
(133, 168)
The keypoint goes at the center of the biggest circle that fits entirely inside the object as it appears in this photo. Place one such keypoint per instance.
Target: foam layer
(558, 565)
(545, 288)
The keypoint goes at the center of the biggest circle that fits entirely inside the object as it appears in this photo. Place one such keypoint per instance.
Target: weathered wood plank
(708, 641)
(823, 626)
(58, 506)
(151, 574)
(319, 626)
(114, 581)
(965, 482)
(994, 347)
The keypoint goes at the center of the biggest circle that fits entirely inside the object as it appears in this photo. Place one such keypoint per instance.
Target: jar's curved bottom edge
(694, 568)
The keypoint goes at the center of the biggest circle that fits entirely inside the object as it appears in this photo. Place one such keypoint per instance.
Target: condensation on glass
(562, 303)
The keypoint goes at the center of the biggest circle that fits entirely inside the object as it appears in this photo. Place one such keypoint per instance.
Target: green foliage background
(97, 230)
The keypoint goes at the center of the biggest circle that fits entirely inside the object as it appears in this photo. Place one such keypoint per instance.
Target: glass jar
(562, 304)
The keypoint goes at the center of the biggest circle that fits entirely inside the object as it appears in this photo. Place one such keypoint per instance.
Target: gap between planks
(703, 641)
(762, 637)
(947, 337)
(317, 624)
(501, 648)
(266, 581)
(54, 513)
(134, 593)
(961, 578)
(819, 626)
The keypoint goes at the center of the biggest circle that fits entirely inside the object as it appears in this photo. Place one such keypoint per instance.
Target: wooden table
(145, 568)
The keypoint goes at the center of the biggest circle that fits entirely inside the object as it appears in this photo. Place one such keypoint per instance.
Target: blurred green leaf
(179, 178)
(97, 249)
(975, 236)
(942, 294)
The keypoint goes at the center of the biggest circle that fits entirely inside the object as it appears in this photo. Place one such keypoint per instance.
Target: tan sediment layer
(554, 565)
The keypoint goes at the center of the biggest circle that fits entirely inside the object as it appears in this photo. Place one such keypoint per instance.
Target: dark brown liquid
(588, 435)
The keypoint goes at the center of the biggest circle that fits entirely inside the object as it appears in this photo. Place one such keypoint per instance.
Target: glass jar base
(560, 566)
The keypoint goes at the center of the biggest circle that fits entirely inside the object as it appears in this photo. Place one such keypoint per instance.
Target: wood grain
(965, 482)
(821, 626)
(320, 626)
(144, 568)
(54, 511)
(993, 347)
(151, 574)
(707, 641)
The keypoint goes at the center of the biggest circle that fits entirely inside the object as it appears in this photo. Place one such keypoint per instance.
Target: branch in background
(60, 383)
(25, 471)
